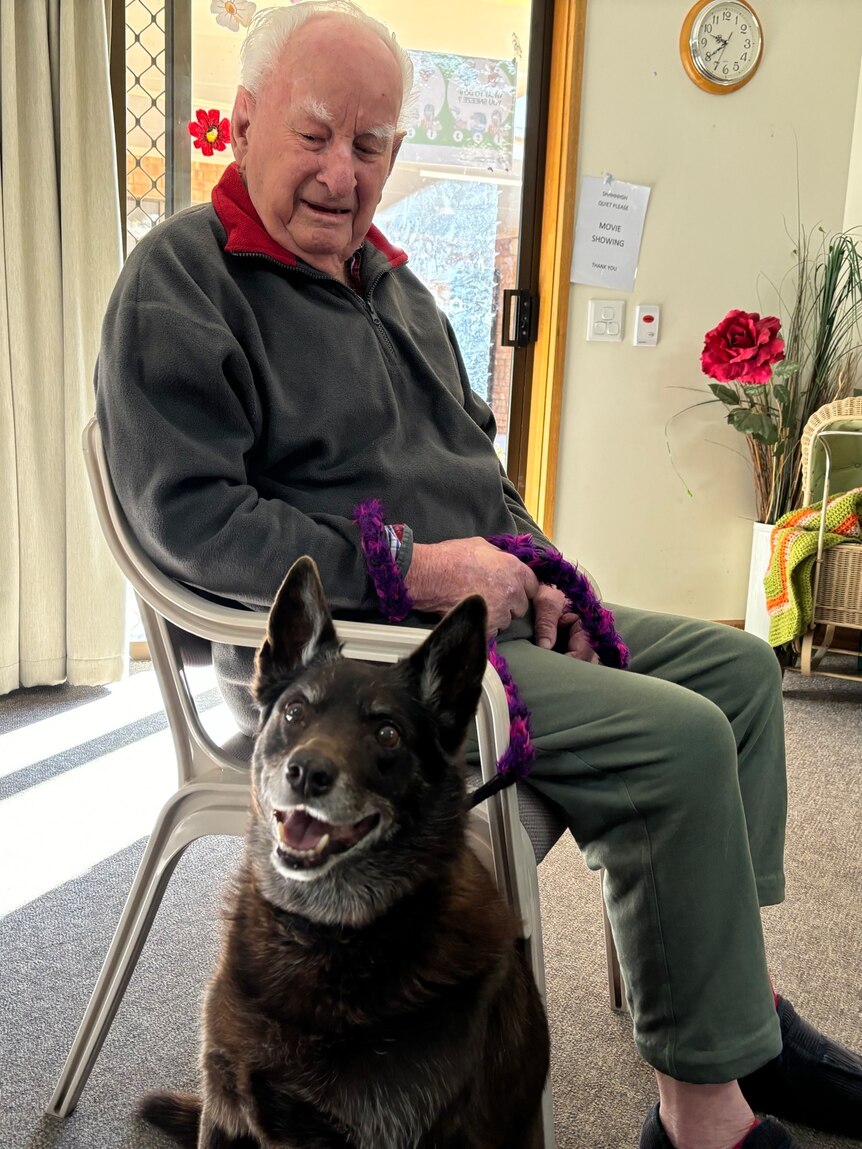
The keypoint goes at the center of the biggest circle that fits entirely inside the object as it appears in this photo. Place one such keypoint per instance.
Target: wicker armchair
(831, 464)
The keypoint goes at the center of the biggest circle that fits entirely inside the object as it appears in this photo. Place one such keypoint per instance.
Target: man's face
(318, 143)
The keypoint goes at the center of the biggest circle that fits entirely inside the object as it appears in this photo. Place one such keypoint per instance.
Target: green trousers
(671, 776)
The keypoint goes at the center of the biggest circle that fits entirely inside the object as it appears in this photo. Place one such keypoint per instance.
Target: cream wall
(853, 207)
(724, 186)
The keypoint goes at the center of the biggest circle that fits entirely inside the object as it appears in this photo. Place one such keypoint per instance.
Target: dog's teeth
(282, 833)
(321, 845)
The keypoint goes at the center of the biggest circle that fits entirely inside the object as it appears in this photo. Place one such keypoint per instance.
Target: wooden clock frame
(694, 73)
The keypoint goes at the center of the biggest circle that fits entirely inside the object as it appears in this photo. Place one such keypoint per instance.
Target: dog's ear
(449, 667)
(299, 630)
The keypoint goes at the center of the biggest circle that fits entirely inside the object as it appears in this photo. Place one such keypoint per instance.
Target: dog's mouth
(306, 842)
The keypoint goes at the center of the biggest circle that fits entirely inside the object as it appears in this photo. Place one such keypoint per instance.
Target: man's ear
(450, 666)
(240, 121)
(299, 630)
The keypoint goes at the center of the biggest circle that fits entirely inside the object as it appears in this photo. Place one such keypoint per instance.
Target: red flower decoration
(742, 349)
(211, 132)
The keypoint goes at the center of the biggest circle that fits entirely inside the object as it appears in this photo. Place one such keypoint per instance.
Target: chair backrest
(826, 446)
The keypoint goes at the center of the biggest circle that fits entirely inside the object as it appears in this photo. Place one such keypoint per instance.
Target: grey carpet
(51, 951)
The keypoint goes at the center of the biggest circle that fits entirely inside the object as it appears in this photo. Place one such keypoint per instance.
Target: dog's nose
(310, 774)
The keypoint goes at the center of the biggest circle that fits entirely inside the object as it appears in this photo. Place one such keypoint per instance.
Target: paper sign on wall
(608, 232)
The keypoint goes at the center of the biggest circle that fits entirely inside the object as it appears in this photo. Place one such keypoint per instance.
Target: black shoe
(767, 1135)
(814, 1080)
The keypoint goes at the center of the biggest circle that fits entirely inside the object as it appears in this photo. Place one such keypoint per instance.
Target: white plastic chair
(212, 794)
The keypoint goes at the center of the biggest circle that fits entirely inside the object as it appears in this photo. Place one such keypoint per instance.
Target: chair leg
(196, 810)
(811, 657)
(615, 976)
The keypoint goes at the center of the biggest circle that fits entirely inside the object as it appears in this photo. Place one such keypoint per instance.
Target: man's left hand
(551, 613)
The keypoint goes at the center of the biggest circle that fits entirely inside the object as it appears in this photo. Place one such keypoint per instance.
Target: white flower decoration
(232, 13)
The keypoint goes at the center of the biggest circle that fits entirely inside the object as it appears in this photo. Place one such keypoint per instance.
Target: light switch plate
(605, 320)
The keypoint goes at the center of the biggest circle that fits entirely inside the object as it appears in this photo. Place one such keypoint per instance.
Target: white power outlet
(605, 320)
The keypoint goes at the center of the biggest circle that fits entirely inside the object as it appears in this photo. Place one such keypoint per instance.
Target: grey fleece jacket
(248, 402)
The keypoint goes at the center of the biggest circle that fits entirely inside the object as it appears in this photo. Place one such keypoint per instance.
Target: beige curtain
(61, 597)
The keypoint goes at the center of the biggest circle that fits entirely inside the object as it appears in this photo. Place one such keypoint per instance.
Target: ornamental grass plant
(772, 374)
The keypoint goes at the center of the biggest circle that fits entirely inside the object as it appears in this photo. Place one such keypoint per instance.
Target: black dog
(371, 991)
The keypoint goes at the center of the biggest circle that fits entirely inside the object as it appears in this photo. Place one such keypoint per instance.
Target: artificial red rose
(742, 349)
(210, 131)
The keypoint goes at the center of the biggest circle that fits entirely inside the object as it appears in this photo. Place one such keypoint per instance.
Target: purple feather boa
(550, 567)
(395, 600)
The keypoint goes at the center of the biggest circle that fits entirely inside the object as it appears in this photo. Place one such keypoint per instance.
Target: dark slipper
(767, 1135)
(814, 1080)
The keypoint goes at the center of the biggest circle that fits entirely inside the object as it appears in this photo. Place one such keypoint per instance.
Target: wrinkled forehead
(332, 64)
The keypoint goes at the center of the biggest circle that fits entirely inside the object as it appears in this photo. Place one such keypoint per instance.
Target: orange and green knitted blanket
(788, 581)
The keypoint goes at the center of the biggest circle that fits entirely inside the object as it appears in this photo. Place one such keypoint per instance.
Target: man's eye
(311, 139)
(294, 712)
(388, 736)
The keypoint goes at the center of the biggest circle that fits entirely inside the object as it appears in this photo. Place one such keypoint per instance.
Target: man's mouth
(306, 842)
(323, 210)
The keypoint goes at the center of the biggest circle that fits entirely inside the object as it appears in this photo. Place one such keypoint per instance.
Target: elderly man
(268, 362)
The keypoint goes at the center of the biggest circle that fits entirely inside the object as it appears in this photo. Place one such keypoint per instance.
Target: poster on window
(463, 112)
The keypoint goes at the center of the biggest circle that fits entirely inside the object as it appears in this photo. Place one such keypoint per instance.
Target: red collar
(246, 233)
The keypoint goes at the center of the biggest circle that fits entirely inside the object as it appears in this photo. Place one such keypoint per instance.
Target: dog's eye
(388, 735)
(294, 712)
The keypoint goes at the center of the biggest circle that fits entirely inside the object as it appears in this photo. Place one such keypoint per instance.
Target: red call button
(648, 318)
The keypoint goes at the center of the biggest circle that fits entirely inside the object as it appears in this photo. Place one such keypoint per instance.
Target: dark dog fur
(371, 991)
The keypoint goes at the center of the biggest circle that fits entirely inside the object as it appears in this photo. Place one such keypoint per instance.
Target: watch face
(725, 41)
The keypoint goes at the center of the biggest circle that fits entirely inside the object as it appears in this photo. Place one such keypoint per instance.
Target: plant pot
(756, 615)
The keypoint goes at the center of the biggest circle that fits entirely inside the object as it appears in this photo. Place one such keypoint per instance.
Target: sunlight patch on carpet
(62, 827)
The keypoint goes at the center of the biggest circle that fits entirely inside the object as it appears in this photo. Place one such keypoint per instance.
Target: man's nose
(311, 774)
(337, 171)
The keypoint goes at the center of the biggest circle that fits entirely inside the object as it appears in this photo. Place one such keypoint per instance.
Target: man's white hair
(271, 29)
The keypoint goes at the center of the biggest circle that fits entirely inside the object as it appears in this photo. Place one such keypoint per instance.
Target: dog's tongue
(303, 832)
(300, 831)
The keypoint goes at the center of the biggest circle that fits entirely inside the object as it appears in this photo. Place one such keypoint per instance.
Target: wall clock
(721, 43)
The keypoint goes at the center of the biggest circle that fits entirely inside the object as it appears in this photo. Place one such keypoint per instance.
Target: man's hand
(578, 645)
(549, 605)
(552, 616)
(441, 574)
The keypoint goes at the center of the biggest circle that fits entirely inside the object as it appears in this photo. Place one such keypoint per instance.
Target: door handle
(520, 318)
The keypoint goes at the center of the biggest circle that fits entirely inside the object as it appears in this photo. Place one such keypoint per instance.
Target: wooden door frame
(557, 233)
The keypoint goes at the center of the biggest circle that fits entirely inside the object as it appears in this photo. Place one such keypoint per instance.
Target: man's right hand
(441, 574)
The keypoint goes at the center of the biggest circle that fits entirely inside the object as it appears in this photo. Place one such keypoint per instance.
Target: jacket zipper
(365, 301)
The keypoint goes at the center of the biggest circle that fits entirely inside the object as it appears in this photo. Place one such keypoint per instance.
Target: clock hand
(721, 41)
(723, 46)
